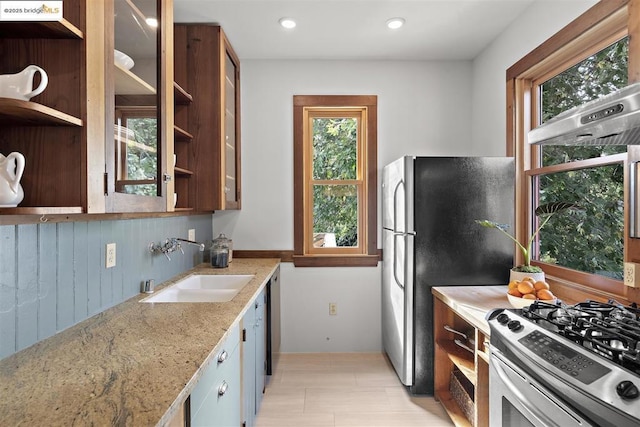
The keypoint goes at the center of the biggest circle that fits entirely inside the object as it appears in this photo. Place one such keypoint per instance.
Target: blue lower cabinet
(215, 401)
(230, 390)
(248, 363)
(261, 347)
(254, 358)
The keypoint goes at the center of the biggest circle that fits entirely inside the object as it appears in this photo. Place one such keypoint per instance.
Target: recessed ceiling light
(395, 23)
(287, 23)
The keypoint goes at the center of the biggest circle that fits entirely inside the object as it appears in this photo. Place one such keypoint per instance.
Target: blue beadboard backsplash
(53, 275)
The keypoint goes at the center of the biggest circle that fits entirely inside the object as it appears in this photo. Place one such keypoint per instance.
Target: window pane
(335, 215)
(136, 148)
(588, 239)
(335, 148)
(596, 76)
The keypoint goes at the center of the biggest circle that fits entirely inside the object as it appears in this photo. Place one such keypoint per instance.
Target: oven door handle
(518, 394)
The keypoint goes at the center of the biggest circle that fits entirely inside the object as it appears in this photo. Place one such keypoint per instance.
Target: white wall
(539, 22)
(424, 108)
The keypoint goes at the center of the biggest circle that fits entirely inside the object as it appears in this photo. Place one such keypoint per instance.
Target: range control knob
(627, 390)
(502, 318)
(514, 325)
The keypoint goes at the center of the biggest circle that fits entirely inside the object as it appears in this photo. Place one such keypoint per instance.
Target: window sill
(336, 260)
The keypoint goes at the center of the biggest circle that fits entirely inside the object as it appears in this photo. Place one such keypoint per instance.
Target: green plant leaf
(527, 269)
(553, 207)
(492, 224)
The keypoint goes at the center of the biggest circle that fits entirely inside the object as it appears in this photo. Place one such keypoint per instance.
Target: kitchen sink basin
(202, 288)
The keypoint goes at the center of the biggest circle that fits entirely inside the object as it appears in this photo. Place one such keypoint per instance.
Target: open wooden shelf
(461, 358)
(181, 171)
(457, 371)
(484, 356)
(62, 29)
(452, 408)
(181, 135)
(181, 96)
(127, 83)
(19, 112)
(41, 210)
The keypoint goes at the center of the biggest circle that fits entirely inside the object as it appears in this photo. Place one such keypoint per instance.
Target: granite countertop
(133, 364)
(472, 303)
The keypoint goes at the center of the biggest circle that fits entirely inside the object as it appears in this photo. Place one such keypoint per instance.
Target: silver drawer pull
(222, 356)
(223, 388)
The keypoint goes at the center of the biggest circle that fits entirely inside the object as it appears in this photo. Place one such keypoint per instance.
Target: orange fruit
(514, 292)
(528, 296)
(526, 287)
(529, 279)
(540, 284)
(514, 284)
(545, 294)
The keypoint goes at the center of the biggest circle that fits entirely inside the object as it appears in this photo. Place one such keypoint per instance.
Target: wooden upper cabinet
(139, 112)
(182, 138)
(214, 116)
(67, 133)
(56, 130)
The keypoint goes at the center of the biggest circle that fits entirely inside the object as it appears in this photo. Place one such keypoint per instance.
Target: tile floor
(343, 390)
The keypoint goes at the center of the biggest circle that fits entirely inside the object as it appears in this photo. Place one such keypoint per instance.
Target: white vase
(11, 169)
(519, 275)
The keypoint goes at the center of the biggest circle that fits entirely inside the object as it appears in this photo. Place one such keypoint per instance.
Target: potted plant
(544, 212)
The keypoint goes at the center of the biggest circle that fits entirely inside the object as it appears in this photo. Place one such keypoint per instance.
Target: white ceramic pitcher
(20, 85)
(11, 169)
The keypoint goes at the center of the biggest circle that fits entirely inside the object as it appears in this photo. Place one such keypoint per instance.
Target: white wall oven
(554, 365)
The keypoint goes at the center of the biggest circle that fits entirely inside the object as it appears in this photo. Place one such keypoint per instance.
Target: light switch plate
(110, 255)
(192, 234)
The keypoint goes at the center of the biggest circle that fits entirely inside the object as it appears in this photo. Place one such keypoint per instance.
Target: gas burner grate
(609, 329)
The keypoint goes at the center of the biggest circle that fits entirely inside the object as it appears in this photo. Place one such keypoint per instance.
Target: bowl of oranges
(522, 293)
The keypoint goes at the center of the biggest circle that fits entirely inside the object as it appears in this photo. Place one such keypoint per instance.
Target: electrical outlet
(631, 274)
(110, 255)
(192, 234)
(333, 309)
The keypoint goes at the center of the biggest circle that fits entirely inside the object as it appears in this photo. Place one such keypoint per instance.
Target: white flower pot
(519, 275)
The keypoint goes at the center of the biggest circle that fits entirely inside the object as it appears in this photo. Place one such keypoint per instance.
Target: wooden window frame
(126, 113)
(304, 254)
(598, 27)
(359, 114)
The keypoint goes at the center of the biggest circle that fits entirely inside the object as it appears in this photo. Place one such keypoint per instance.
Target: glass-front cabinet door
(135, 161)
(231, 132)
(213, 79)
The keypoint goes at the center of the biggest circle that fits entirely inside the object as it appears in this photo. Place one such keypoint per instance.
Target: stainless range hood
(613, 119)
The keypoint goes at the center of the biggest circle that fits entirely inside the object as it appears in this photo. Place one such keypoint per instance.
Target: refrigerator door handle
(404, 233)
(395, 259)
(397, 234)
(395, 197)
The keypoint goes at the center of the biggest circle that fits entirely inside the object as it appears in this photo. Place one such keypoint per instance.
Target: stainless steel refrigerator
(430, 238)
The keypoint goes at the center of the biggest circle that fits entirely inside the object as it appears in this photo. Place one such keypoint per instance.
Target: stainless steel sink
(202, 288)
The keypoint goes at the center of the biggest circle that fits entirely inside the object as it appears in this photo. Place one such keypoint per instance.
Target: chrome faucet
(191, 242)
(172, 244)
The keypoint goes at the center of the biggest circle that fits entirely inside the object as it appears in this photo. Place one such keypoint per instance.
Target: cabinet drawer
(221, 405)
(216, 370)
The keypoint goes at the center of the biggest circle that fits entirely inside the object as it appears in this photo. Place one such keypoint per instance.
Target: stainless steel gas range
(559, 365)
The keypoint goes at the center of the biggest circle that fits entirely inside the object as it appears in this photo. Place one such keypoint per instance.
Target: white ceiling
(355, 29)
